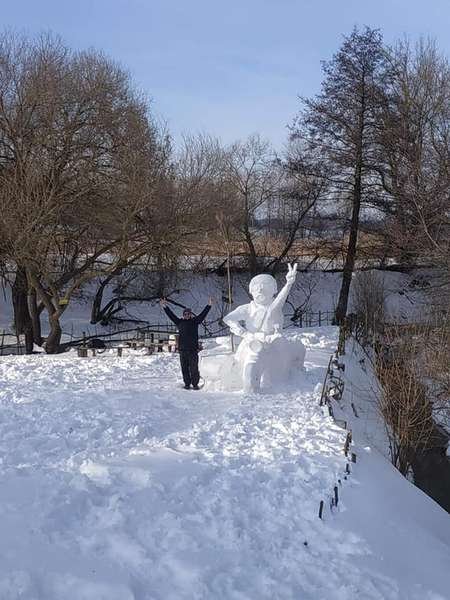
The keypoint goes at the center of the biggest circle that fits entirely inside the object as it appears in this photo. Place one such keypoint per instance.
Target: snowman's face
(263, 289)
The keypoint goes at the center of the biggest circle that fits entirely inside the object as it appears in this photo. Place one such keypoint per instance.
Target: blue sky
(226, 67)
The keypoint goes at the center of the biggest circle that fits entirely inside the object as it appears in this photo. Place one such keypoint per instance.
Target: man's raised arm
(172, 316)
(199, 318)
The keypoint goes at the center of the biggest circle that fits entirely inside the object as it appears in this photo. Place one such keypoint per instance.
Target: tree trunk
(22, 318)
(349, 265)
(102, 315)
(52, 343)
(35, 315)
(252, 258)
(97, 314)
(29, 341)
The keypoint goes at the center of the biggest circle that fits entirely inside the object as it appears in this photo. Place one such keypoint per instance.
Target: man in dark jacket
(188, 341)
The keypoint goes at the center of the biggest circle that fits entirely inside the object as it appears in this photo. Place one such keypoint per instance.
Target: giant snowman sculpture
(265, 358)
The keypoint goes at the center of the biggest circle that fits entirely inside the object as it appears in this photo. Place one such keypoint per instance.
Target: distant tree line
(91, 185)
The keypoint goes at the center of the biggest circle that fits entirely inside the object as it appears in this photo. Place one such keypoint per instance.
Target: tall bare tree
(340, 124)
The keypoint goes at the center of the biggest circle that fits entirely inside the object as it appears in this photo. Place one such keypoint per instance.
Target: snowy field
(116, 484)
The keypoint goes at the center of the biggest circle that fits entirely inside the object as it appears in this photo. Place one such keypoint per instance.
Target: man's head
(263, 288)
(187, 313)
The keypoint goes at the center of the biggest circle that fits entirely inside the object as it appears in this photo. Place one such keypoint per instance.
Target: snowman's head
(263, 288)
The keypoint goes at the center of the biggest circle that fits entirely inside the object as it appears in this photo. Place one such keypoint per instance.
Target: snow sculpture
(264, 357)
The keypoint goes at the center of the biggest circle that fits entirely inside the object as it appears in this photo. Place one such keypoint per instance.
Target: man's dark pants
(189, 367)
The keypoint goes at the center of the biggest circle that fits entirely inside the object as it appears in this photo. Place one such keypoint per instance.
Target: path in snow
(116, 485)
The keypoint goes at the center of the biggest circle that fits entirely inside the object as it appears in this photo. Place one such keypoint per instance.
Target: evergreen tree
(339, 124)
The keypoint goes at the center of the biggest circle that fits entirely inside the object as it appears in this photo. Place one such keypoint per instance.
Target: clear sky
(229, 67)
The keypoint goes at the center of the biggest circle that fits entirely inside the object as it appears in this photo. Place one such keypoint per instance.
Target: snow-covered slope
(116, 484)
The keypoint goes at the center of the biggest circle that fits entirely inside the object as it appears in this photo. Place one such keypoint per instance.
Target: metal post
(82, 350)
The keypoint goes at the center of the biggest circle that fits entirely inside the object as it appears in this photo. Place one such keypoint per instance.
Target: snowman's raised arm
(284, 292)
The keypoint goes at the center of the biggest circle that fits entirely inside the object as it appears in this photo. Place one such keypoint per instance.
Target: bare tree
(252, 180)
(301, 191)
(183, 212)
(196, 186)
(78, 152)
(414, 158)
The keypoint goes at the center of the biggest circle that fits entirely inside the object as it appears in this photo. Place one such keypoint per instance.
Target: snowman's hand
(292, 273)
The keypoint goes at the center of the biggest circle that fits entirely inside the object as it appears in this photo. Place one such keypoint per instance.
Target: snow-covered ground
(116, 484)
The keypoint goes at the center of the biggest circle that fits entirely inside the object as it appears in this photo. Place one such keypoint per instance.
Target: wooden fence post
(348, 441)
(325, 382)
